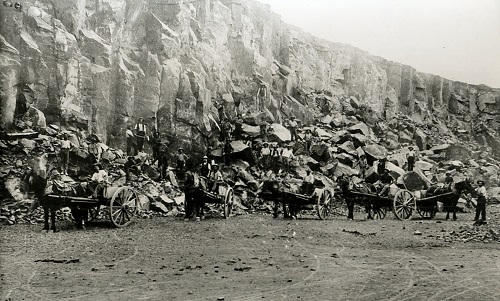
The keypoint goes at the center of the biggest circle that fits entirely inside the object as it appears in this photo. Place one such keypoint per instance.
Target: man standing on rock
(129, 136)
(181, 160)
(410, 157)
(481, 203)
(65, 147)
(140, 133)
(292, 126)
(287, 157)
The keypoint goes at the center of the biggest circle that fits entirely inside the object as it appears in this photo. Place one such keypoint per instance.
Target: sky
(456, 39)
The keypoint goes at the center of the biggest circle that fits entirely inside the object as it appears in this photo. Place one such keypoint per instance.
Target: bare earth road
(250, 257)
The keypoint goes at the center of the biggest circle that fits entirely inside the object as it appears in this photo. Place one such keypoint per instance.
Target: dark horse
(43, 187)
(367, 197)
(270, 191)
(448, 195)
(194, 187)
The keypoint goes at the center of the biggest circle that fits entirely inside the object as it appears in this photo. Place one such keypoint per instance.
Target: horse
(194, 187)
(270, 190)
(42, 187)
(448, 195)
(346, 186)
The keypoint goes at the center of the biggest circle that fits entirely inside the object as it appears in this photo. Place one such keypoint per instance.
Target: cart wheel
(228, 202)
(404, 204)
(123, 206)
(378, 213)
(325, 203)
(94, 213)
(425, 213)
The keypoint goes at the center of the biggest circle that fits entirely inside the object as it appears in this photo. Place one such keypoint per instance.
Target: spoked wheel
(228, 202)
(94, 213)
(123, 206)
(425, 213)
(325, 203)
(404, 204)
(378, 213)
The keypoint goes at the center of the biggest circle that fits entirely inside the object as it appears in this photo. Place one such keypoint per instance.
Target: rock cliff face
(102, 64)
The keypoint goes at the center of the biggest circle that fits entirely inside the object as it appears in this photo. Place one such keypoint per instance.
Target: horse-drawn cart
(403, 202)
(122, 202)
(321, 199)
(198, 194)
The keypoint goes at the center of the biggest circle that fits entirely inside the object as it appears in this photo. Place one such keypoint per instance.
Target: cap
(205, 157)
(180, 149)
(480, 182)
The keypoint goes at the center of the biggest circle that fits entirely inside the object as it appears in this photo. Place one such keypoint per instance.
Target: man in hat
(98, 180)
(308, 137)
(448, 179)
(238, 127)
(308, 183)
(181, 160)
(481, 203)
(205, 167)
(155, 146)
(140, 133)
(265, 153)
(410, 158)
(292, 126)
(66, 145)
(215, 178)
(163, 160)
(385, 180)
(287, 157)
(363, 165)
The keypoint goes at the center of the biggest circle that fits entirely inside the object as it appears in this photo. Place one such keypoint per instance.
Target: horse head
(464, 185)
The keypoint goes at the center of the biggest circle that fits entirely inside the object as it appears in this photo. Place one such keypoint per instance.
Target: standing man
(292, 126)
(308, 184)
(265, 153)
(130, 136)
(140, 133)
(163, 160)
(308, 137)
(238, 127)
(228, 149)
(481, 203)
(181, 160)
(205, 167)
(448, 179)
(65, 147)
(155, 146)
(287, 157)
(410, 157)
(363, 164)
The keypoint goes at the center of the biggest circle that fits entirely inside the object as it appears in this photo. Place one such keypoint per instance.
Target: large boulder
(376, 151)
(280, 132)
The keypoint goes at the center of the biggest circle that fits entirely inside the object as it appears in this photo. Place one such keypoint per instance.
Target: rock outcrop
(102, 64)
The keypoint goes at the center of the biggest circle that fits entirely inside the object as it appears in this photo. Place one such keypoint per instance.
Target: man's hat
(98, 165)
(180, 149)
(480, 182)
(205, 157)
(411, 147)
(265, 143)
(293, 117)
(216, 165)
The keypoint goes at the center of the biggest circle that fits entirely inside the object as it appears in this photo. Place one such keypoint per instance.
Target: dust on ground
(249, 257)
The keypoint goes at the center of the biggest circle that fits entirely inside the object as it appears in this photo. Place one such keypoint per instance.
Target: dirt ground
(249, 257)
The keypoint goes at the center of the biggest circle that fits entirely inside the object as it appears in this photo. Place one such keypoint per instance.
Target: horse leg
(275, 209)
(368, 208)
(447, 214)
(53, 220)
(75, 212)
(286, 210)
(455, 213)
(85, 217)
(350, 209)
(45, 219)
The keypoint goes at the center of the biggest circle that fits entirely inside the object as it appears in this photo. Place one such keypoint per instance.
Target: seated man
(215, 178)
(131, 166)
(98, 181)
(386, 180)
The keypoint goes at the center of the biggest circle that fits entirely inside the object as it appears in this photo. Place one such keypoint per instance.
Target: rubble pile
(331, 145)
